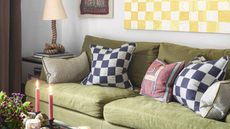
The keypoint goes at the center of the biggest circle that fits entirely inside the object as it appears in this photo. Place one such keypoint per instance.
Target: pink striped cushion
(159, 79)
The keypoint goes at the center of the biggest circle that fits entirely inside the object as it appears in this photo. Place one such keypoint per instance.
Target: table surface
(32, 59)
(61, 125)
(36, 60)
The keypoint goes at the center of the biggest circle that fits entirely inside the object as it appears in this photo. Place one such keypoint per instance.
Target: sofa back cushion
(144, 54)
(174, 53)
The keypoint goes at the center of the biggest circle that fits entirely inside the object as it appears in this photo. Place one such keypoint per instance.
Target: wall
(113, 28)
(72, 30)
(35, 31)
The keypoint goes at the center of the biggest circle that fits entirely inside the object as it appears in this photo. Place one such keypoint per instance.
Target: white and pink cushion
(159, 79)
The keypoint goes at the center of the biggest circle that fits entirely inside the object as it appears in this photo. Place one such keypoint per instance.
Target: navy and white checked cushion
(109, 66)
(195, 79)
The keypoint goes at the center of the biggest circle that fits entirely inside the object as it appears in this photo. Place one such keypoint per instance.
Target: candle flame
(37, 84)
(50, 89)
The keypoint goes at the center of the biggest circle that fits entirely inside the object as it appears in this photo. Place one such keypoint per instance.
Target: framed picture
(96, 8)
(206, 16)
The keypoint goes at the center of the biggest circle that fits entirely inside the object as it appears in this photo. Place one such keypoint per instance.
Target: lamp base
(53, 48)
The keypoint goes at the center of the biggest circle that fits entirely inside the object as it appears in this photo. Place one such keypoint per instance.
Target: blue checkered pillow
(109, 66)
(195, 79)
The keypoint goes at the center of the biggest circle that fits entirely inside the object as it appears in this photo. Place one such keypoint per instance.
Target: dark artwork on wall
(95, 7)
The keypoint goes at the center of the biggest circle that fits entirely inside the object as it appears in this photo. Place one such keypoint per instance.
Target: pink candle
(37, 97)
(50, 103)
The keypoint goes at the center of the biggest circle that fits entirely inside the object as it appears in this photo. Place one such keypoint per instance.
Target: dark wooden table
(32, 59)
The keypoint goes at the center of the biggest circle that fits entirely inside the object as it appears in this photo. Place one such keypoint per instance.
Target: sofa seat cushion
(227, 118)
(89, 100)
(143, 112)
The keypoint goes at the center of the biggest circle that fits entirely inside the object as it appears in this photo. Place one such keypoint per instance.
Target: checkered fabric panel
(178, 15)
(195, 79)
(109, 66)
(197, 59)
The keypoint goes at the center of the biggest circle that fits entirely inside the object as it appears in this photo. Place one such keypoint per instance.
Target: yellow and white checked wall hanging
(178, 15)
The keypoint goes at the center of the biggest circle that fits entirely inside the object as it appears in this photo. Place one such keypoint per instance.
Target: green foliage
(2, 96)
(12, 110)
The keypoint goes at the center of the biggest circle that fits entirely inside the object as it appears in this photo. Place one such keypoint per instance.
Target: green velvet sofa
(114, 108)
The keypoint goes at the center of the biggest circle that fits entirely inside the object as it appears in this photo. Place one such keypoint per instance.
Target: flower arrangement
(13, 111)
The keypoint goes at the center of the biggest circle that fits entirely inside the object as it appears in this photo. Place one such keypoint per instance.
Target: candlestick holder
(36, 113)
(51, 123)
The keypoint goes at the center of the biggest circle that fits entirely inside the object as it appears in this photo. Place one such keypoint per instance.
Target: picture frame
(96, 8)
(197, 16)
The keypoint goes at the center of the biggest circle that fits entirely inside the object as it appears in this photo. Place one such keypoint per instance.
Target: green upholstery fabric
(85, 99)
(143, 56)
(75, 119)
(146, 113)
(227, 119)
(172, 53)
(81, 105)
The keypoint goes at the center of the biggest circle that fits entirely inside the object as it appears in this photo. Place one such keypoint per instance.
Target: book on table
(62, 55)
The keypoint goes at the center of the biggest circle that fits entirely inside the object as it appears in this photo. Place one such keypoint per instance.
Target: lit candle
(50, 103)
(37, 97)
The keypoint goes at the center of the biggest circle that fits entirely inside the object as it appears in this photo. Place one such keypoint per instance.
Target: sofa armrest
(43, 75)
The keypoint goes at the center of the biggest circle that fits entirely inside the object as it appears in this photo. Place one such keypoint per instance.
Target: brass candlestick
(51, 124)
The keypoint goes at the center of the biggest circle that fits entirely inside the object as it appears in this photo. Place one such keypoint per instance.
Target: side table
(30, 67)
(32, 59)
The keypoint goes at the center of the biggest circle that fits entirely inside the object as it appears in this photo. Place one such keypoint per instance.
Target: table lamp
(53, 11)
